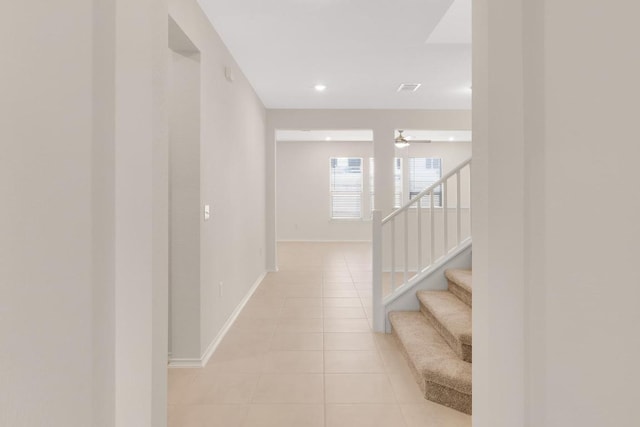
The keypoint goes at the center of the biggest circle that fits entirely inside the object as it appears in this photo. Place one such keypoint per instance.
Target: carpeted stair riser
(451, 318)
(460, 292)
(442, 376)
(463, 351)
(460, 284)
(451, 398)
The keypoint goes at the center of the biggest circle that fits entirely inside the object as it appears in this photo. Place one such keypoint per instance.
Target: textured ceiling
(361, 49)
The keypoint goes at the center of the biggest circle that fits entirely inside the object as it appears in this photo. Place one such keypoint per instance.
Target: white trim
(185, 363)
(204, 359)
(415, 280)
(440, 208)
(434, 279)
(323, 241)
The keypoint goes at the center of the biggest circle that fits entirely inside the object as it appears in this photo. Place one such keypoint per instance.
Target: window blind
(397, 181)
(372, 175)
(346, 187)
(423, 172)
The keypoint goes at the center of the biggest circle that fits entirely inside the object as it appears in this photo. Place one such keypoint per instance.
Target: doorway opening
(184, 194)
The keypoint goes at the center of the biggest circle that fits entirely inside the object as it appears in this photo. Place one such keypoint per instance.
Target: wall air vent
(409, 87)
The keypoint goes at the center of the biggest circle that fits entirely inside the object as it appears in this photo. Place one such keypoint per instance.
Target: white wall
(382, 122)
(84, 223)
(84, 218)
(141, 212)
(103, 206)
(302, 189)
(555, 282)
(498, 216)
(184, 199)
(82, 252)
(46, 215)
(232, 170)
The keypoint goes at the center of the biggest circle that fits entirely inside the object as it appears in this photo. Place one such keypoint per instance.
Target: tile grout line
(380, 346)
(324, 368)
(263, 367)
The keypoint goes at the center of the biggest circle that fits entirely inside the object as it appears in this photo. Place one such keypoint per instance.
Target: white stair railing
(419, 236)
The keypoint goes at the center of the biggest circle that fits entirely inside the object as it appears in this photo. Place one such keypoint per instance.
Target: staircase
(412, 248)
(436, 341)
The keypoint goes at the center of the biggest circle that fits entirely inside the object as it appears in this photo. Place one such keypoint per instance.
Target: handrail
(424, 241)
(426, 191)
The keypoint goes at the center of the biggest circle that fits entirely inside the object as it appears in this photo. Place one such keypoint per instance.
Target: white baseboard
(184, 363)
(204, 359)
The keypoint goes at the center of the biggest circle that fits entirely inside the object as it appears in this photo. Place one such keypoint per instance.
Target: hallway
(302, 354)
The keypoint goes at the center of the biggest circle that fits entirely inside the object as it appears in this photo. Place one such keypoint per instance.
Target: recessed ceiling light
(320, 87)
(452, 138)
(328, 138)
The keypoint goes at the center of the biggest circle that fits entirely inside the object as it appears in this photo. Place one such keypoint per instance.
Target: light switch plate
(207, 212)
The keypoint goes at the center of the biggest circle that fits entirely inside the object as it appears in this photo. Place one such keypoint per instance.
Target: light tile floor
(302, 354)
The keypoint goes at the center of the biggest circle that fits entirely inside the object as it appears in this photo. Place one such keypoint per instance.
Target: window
(372, 175)
(346, 187)
(423, 172)
(397, 182)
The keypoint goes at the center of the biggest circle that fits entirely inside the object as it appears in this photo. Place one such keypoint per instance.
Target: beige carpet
(460, 284)
(437, 341)
(451, 317)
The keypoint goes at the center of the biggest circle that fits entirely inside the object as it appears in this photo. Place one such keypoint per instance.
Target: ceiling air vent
(409, 87)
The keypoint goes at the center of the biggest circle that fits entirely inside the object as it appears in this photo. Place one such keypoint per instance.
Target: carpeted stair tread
(451, 317)
(442, 375)
(460, 277)
(460, 284)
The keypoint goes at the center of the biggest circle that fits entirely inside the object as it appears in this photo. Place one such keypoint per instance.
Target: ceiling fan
(401, 141)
